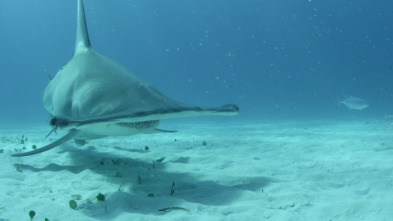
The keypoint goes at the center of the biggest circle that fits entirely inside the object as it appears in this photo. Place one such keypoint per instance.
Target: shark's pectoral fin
(71, 134)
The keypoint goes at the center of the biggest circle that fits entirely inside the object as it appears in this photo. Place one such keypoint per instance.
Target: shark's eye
(53, 121)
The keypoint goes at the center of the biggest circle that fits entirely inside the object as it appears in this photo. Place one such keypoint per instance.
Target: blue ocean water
(275, 59)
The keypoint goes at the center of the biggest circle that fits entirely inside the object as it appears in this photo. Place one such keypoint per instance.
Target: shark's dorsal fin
(82, 36)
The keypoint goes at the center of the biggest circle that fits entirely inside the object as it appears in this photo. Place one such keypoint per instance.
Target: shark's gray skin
(93, 96)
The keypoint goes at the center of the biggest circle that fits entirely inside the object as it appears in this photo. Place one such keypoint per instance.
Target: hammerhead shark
(92, 96)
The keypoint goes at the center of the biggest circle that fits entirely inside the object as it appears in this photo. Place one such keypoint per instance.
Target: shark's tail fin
(82, 36)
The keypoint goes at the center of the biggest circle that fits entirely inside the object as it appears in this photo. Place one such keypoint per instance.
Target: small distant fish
(355, 103)
(165, 210)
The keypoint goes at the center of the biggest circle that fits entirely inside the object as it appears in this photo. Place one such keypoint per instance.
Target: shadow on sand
(132, 196)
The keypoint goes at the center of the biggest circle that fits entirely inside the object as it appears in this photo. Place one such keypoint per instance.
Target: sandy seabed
(211, 171)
